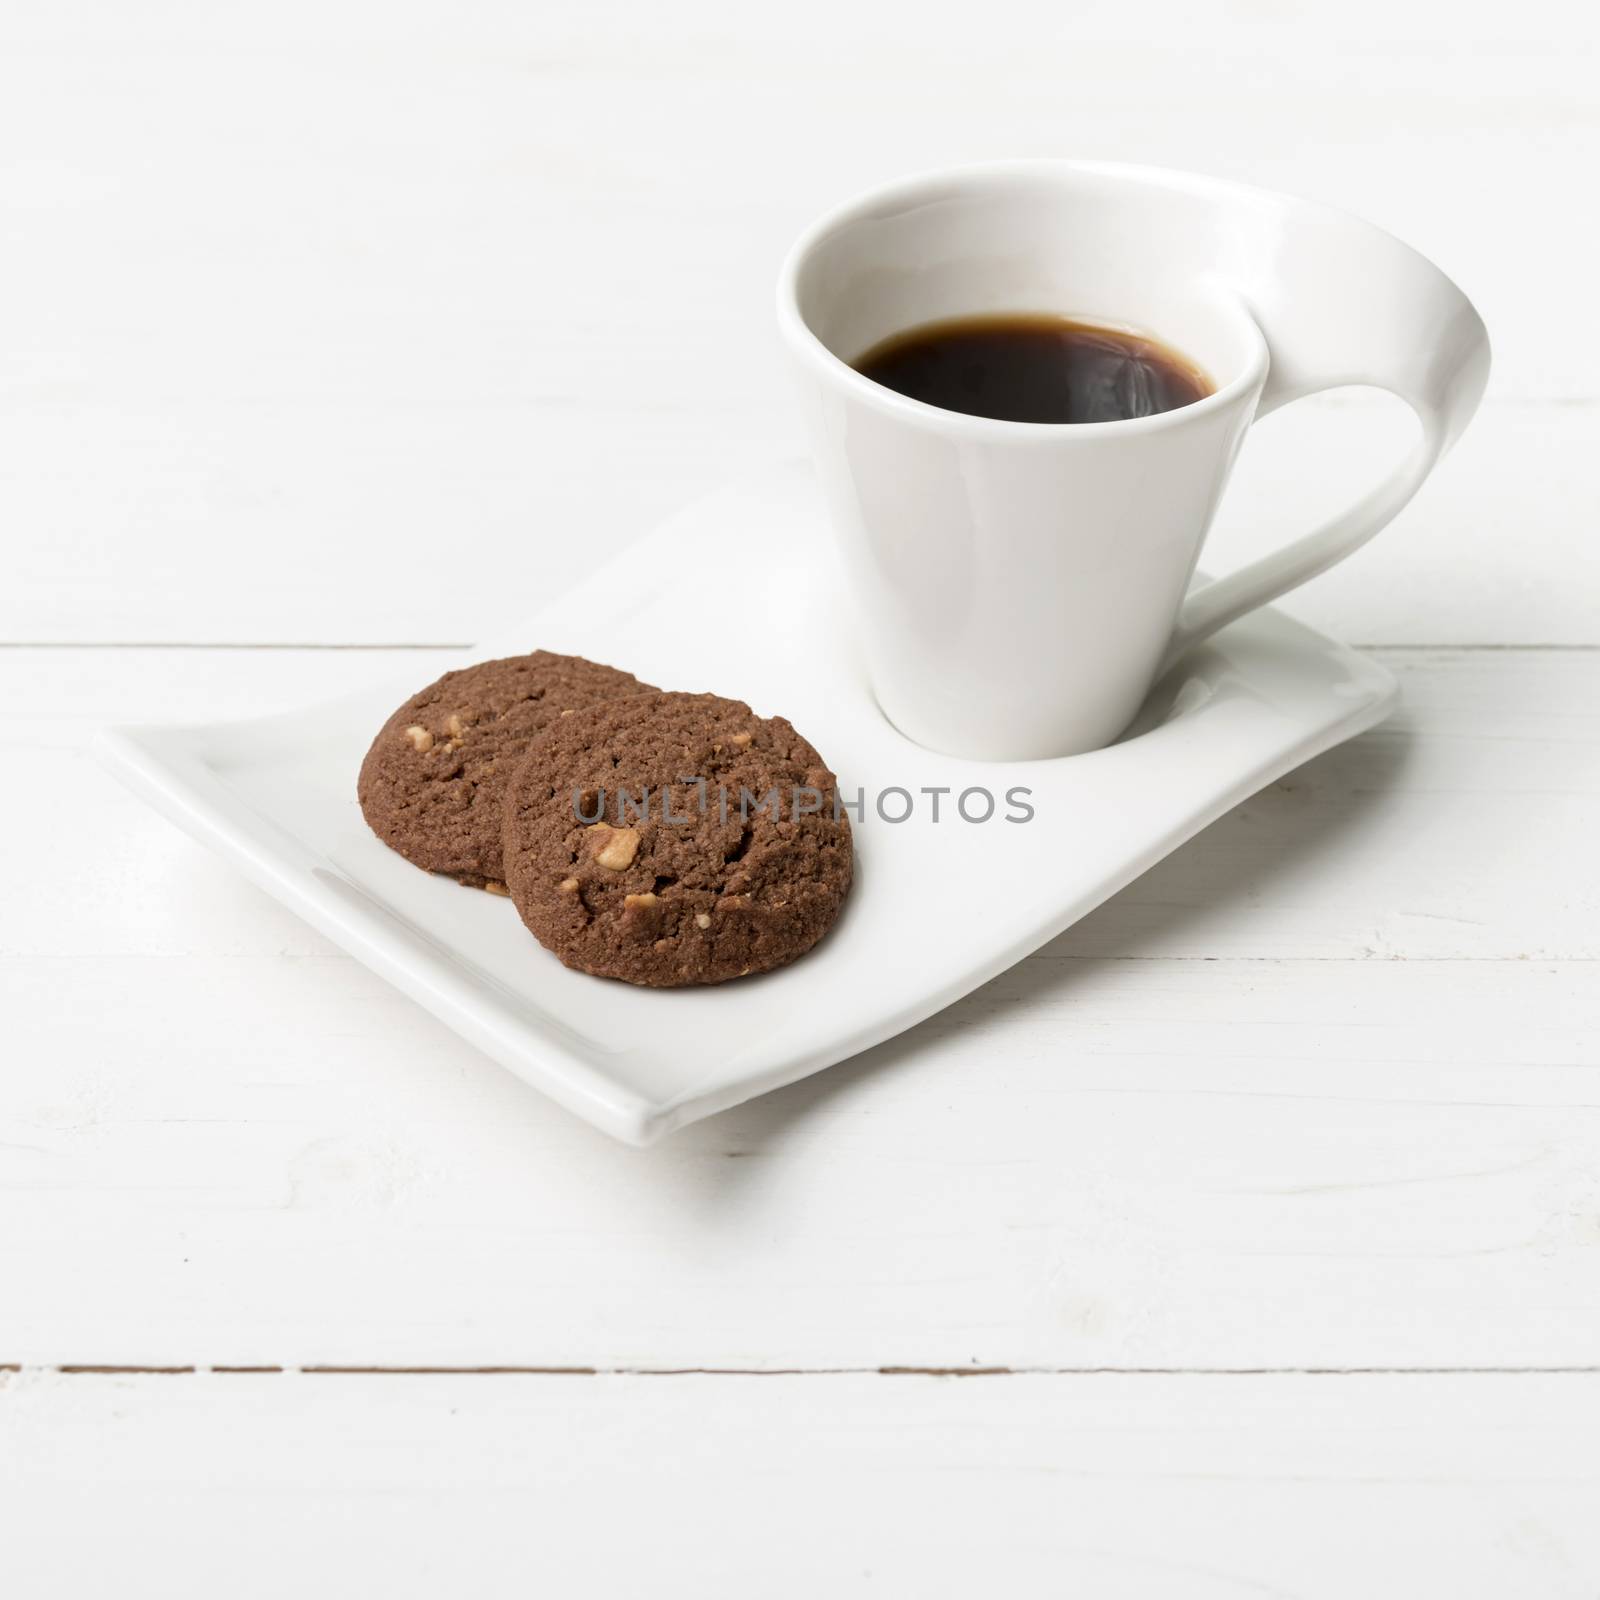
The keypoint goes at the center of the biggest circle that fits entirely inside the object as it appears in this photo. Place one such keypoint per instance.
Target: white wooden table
(1261, 1211)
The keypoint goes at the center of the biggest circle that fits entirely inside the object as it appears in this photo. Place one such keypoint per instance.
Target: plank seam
(82, 1370)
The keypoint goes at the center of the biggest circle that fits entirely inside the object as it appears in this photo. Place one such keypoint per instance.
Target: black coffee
(1032, 367)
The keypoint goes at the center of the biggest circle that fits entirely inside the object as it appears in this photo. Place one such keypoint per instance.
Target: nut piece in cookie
(674, 839)
(433, 783)
(613, 848)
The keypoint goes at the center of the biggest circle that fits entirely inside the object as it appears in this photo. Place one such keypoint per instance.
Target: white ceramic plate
(739, 595)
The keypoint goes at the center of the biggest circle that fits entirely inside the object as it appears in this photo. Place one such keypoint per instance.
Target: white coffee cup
(1020, 586)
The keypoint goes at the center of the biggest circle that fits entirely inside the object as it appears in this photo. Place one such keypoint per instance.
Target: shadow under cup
(1017, 584)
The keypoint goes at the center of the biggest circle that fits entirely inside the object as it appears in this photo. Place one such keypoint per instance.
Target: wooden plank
(237, 1159)
(1464, 827)
(1202, 1488)
(354, 376)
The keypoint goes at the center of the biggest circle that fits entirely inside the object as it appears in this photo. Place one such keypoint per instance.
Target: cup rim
(809, 347)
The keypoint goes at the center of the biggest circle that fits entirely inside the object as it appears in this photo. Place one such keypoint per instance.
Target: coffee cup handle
(1340, 302)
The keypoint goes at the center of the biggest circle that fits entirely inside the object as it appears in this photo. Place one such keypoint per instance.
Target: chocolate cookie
(433, 782)
(675, 839)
